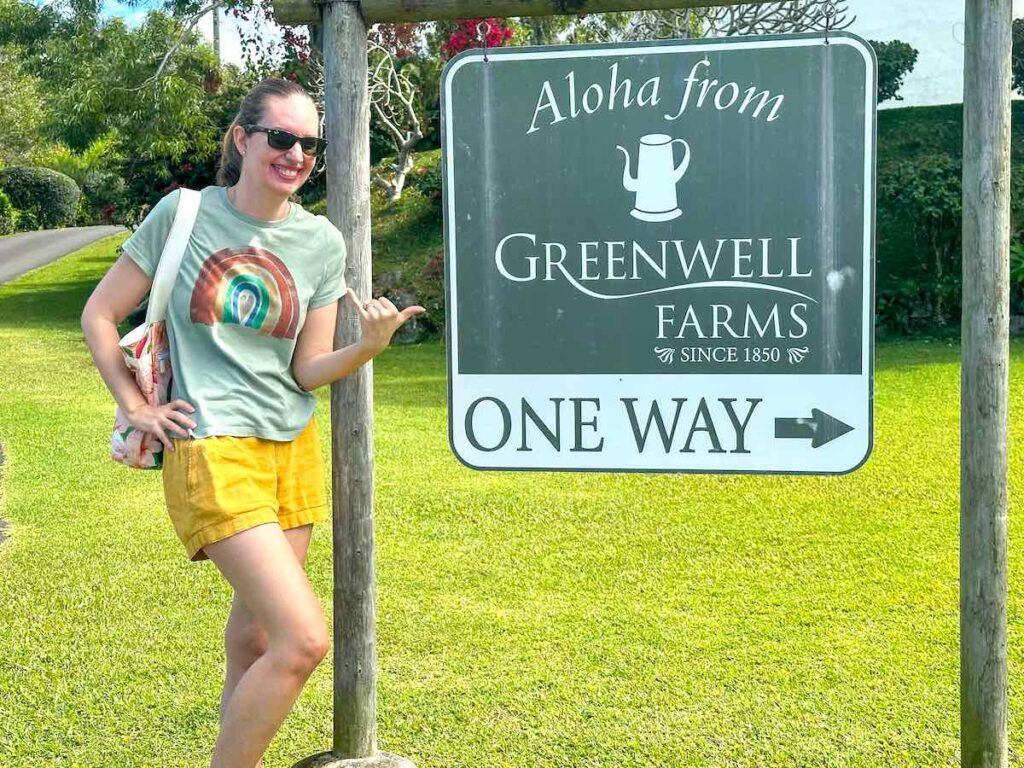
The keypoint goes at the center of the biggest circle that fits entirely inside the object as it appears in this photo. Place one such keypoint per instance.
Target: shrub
(104, 198)
(429, 288)
(923, 196)
(8, 215)
(103, 155)
(45, 197)
(427, 179)
(1017, 279)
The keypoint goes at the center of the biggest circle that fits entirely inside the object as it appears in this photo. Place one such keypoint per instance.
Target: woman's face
(282, 170)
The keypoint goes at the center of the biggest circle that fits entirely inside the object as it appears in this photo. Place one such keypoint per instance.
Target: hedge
(46, 198)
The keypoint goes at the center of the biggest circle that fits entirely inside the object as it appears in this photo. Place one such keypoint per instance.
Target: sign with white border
(659, 256)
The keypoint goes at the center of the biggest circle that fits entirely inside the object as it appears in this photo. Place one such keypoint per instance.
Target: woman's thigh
(243, 625)
(264, 565)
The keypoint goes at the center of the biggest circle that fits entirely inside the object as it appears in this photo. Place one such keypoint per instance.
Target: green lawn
(524, 620)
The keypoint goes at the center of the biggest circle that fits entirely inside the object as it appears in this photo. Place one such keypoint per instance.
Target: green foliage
(926, 194)
(426, 176)
(1017, 264)
(1017, 279)
(99, 79)
(104, 155)
(428, 287)
(8, 215)
(896, 60)
(44, 197)
(22, 109)
(29, 26)
(1017, 58)
(109, 117)
(408, 254)
(104, 198)
(906, 286)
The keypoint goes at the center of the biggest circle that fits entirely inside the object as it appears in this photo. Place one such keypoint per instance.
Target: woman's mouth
(286, 172)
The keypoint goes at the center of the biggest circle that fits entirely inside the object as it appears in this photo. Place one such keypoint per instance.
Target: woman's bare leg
(269, 580)
(245, 640)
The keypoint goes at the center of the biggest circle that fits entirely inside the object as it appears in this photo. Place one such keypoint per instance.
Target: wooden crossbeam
(293, 12)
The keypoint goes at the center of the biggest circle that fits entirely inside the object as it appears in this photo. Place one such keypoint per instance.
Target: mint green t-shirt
(236, 309)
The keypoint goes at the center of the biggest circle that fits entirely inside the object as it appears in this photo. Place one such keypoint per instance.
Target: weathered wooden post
(347, 128)
(984, 384)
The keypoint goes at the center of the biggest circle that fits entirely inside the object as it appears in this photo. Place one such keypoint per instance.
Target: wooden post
(347, 129)
(347, 124)
(984, 384)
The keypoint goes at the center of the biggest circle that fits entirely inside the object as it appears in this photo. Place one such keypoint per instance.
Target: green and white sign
(660, 256)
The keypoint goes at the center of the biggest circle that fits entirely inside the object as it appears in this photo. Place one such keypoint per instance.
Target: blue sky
(132, 16)
(937, 34)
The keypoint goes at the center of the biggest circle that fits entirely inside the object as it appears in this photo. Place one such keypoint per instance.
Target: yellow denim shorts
(218, 486)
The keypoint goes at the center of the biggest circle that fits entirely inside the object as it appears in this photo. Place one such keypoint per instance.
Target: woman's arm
(121, 290)
(316, 362)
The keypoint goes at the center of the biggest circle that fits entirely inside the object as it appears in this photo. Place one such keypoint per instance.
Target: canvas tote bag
(145, 348)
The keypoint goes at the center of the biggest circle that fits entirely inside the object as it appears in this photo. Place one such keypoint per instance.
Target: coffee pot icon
(656, 177)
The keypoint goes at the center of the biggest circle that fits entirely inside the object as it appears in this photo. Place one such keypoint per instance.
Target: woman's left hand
(379, 319)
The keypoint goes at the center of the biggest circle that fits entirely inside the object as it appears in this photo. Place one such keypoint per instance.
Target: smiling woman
(250, 322)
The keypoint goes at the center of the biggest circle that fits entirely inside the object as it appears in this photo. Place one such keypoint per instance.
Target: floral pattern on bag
(148, 356)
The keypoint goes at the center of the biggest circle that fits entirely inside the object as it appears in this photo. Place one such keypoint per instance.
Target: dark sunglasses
(278, 139)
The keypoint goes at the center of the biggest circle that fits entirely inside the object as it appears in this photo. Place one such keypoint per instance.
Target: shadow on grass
(45, 305)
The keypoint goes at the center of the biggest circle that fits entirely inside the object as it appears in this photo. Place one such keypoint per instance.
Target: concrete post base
(331, 760)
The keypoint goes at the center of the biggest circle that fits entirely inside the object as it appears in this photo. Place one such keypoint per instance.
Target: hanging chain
(830, 15)
(483, 29)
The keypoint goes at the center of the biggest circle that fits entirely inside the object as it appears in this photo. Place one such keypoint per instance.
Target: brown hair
(230, 169)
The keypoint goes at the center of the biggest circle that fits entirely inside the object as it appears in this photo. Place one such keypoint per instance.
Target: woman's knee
(303, 648)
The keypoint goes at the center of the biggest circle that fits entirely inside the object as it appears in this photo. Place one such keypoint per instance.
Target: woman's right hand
(160, 420)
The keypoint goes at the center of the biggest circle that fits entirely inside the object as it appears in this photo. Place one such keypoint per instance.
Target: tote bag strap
(170, 258)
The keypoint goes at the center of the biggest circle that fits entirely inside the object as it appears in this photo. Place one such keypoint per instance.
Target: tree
(22, 108)
(726, 21)
(896, 59)
(392, 97)
(28, 27)
(102, 78)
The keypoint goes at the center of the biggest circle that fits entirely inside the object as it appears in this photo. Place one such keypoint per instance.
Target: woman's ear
(239, 137)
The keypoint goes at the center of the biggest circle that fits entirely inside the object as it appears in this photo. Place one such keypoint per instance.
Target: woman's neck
(257, 203)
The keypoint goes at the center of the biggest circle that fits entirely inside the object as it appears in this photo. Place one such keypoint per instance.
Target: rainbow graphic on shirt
(247, 286)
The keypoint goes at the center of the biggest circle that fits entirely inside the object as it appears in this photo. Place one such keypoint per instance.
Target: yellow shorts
(218, 486)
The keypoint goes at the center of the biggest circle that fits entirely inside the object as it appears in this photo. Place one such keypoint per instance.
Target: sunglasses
(278, 139)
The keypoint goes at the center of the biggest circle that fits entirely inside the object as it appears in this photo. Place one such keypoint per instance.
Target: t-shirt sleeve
(147, 242)
(332, 285)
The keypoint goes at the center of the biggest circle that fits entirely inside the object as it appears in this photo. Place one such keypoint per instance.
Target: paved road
(30, 250)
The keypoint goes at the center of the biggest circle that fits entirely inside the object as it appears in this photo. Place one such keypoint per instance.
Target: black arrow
(821, 428)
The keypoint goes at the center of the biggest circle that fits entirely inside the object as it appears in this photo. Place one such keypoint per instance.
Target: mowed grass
(537, 619)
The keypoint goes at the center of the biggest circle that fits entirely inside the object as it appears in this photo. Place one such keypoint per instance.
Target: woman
(251, 326)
